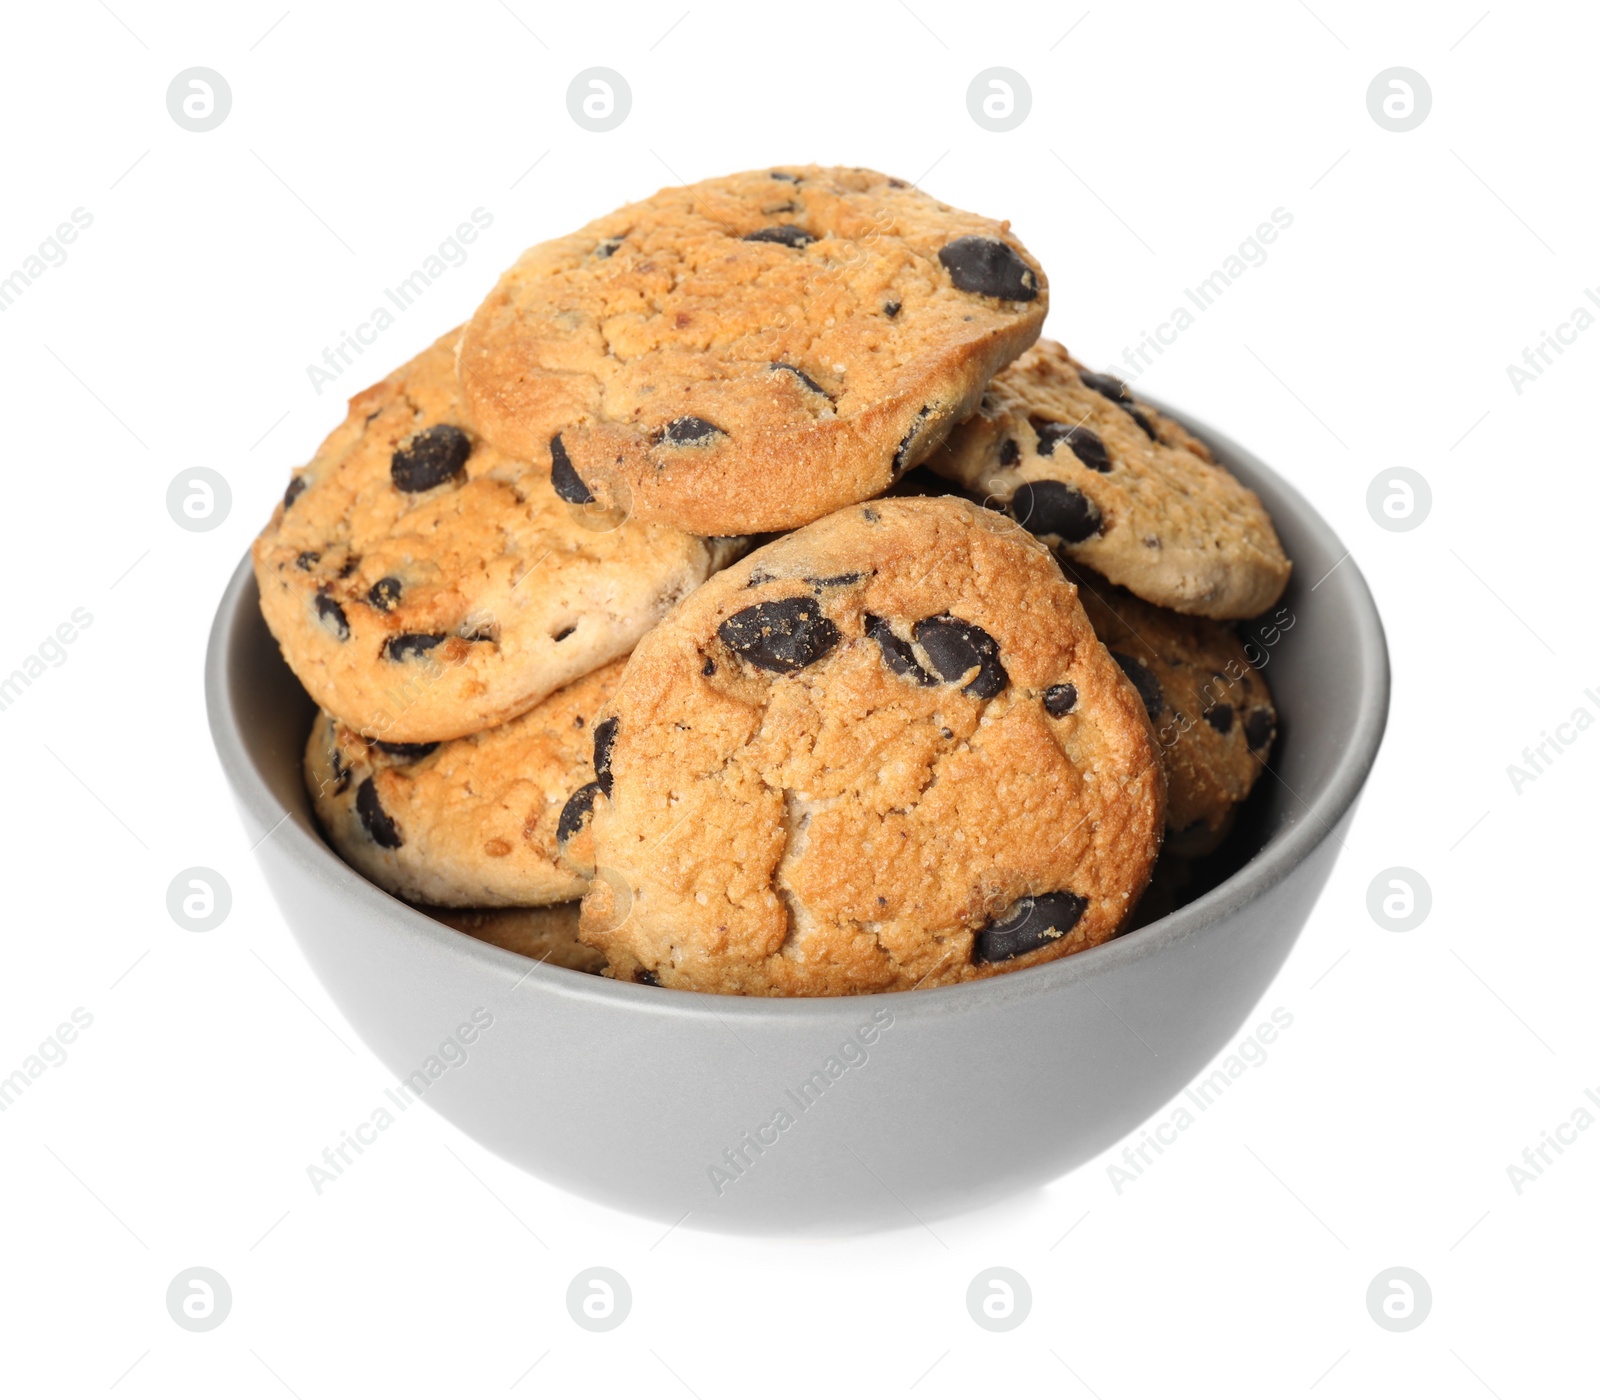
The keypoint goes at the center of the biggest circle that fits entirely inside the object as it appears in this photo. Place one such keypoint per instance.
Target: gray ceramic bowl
(837, 1114)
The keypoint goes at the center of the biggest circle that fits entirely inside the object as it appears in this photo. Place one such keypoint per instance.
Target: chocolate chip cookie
(884, 752)
(1211, 709)
(751, 352)
(471, 822)
(547, 935)
(1117, 486)
(424, 585)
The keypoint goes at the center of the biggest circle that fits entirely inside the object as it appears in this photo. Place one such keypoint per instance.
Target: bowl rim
(1283, 852)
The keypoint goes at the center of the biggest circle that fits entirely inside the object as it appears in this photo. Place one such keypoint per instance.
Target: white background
(1377, 334)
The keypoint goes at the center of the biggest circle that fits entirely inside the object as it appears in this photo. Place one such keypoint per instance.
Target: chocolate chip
(349, 566)
(645, 977)
(1054, 508)
(306, 558)
(782, 636)
(835, 580)
(1220, 718)
(1138, 417)
(781, 175)
(1258, 728)
(990, 268)
(689, 432)
(606, 247)
(341, 772)
(790, 235)
(405, 645)
(332, 616)
(1049, 433)
(803, 377)
(575, 815)
(296, 486)
(897, 654)
(891, 309)
(406, 753)
(903, 452)
(710, 668)
(1059, 699)
(1034, 921)
(956, 647)
(1144, 681)
(436, 455)
(1009, 452)
(1107, 386)
(605, 739)
(385, 593)
(379, 824)
(564, 477)
(1110, 387)
(1088, 449)
(1084, 442)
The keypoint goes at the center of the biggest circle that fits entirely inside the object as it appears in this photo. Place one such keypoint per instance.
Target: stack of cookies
(748, 570)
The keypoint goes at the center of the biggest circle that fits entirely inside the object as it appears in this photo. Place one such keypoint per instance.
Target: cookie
(424, 586)
(751, 352)
(548, 935)
(1211, 709)
(1117, 486)
(884, 752)
(471, 822)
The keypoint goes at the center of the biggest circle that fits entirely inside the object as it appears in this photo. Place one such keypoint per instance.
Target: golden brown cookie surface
(885, 751)
(750, 352)
(1117, 486)
(1213, 714)
(423, 585)
(471, 822)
